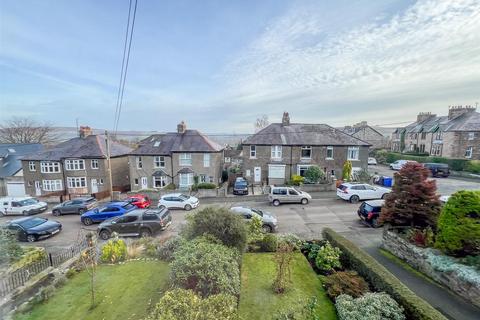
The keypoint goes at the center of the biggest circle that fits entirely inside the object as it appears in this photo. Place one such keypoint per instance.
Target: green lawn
(257, 299)
(126, 291)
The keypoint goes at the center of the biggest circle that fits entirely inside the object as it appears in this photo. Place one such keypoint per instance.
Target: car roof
(83, 198)
(375, 203)
(20, 220)
(172, 195)
(17, 198)
(137, 196)
(116, 203)
(354, 184)
(138, 212)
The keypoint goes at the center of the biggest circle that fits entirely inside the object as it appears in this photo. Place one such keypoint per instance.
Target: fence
(12, 280)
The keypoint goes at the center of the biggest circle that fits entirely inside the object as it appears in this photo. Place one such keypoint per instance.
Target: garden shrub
(302, 311)
(381, 156)
(10, 250)
(448, 264)
(314, 174)
(421, 238)
(186, 305)
(347, 171)
(205, 267)
(297, 180)
(115, 250)
(473, 166)
(135, 250)
(473, 261)
(345, 282)
(328, 258)
(381, 279)
(269, 243)
(150, 246)
(220, 223)
(368, 307)
(291, 239)
(166, 250)
(459, 224)
(206, 185)
(255, 233)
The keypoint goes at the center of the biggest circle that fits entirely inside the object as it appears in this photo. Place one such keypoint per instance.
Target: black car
(32, 229)
(240, 186)
(77, 206)
(369, 212)
(140, 222)
(438, 169)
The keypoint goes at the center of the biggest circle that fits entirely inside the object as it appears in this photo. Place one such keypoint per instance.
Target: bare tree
(261, 123)
(89, 260)
(25, 130)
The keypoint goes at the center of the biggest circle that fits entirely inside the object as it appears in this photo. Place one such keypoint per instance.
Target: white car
(21, 205)
(398, 165)
(178, 201)
(372, 161)
(355, 192)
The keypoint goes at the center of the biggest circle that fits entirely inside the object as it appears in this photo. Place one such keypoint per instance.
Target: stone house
(77, 166)
(280, 150)
(454, 136)
(366, 133)
(175, 157)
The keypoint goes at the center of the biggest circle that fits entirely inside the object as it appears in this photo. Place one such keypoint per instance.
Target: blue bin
(387, 181)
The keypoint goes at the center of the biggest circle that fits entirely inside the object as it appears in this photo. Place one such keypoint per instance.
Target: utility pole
(107, 143)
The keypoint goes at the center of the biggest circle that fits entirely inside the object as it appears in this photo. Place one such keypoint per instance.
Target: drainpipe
(65, 186)
(291, 161)
(171, 167)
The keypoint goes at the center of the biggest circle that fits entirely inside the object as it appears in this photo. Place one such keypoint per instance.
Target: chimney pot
(286, 119)
(455, 111)
(182, 127)
(85, 131)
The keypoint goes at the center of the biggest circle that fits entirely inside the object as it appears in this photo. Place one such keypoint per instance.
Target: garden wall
(321, 187)
(462, 279)
(201, 193)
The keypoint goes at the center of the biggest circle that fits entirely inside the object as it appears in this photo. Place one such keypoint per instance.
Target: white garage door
(15, 189)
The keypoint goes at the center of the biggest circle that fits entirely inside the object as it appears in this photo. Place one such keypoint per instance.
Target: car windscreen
(128, 206)
(240, 184)
(89, 200)
(342, 187)
(28, 202)
(184, 197)
(31, 223)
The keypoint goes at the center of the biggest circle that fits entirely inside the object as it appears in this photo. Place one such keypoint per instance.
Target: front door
(257, 174)
(94, 186)
(144, 183)
(38, 188)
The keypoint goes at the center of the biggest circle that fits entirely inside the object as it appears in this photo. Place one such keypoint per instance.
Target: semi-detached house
(280, 150)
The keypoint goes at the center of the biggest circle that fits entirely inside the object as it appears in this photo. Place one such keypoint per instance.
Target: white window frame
(96, 162)
(74, 164)
(206, 160)
(276, 171)
(159, 161)
(309, 148)
(202, 178)
(52, 185)
(139, 162)
(471, 135)
(100, 181)
(227, 160)
(185, 159)
(253, 152)
(76, 182)
(329, 148)
(32, 166)
(189, 179)
(438, 135)
(163, 182)
(135, 182)
(469, 152)
(350, 155)
(49, 167)
(303, 166)
(276, 152)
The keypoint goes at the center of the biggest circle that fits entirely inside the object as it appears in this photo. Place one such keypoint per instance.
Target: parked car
(397, 165)
(269, 221)
(21, 205)
(139, 222)
(32, 229)
(372, 161)
(110, 210)
(240, 186)
(369, 212)
(140, 201)
(77, 206)
(178, 201)
(355, 192)
(438, 169)
(280, 195)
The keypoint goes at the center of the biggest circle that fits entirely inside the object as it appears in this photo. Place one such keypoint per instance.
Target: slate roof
(303, 134)
(469, 121)
(92, 146)
(352, 130)
(11, 154)
(168, 143)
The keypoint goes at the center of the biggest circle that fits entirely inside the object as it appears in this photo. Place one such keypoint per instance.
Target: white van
(21, 205)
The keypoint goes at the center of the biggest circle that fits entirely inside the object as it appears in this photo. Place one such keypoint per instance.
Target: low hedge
(382, 280)
(454, 164)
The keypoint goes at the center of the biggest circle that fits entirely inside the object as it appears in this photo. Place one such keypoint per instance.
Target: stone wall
(463, 280)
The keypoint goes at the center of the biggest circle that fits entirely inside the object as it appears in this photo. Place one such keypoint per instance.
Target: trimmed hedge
(382, 280)
(454, 164)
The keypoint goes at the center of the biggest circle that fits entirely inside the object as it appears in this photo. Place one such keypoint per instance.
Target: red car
(139, 200)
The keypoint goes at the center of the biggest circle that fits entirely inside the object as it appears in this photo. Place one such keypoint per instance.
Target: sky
(219, 65)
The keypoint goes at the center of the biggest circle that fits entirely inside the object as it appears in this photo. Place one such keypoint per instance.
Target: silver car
(178, 201)
(280, 195)
(269, 221)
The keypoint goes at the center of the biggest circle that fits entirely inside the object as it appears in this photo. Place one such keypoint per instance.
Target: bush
(186, 305)
(448, 264)
(135, 250)
(345, 282)
(310, 249)
(347, 171)
(328, 258)
(269, 243)
(206, 185)
(454, 164)
(473, 166)
(381, 156)
(459, 224)
(370, 306)
(10, 250)
(168, 248)
(30, 255)
(297, 180)
(314, 174)
(149, 245)
(115, 250)
(472, 261)
(206, 267)
(219, 222)
(421, 238)
(381, 279)
(291, 239)
(302, 311)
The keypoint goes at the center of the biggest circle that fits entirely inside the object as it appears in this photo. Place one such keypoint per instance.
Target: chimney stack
(182, 127)
(286, 119)
(85, 131)
(422, 116)
(455, 111)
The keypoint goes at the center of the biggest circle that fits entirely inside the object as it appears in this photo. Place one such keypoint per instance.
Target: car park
(355, 192)
(21, 206)
(438, 169)
(372, 161)
(369, 212)
(178, 201)
(139, 222)
(140, 201)
(240, 187)
(280, 195)
(269, 221)
(76, 206)
(398, 165)
(110, 210)
(32, 229)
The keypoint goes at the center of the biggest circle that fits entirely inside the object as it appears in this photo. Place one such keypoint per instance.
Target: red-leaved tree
(413, 200)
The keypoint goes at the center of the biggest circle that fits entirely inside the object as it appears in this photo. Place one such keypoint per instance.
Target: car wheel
(87, 221)
(266, 228)
(384, 196)
(276, 203)
(104, 234)
(375, 223)
(354, 199)
(81, 211)
(304, 201)
(188, 207)
(56, 213)
(145, 233)
(31, 238)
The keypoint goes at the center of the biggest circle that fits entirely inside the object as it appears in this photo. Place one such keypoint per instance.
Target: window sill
(253, 158)
(276, 159)
(353, 159)
(329, 159)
